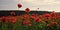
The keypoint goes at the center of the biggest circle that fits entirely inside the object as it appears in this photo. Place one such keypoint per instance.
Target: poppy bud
(27, 10)
(19, 5)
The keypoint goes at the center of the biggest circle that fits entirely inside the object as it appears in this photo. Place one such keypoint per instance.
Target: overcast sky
(44, 5)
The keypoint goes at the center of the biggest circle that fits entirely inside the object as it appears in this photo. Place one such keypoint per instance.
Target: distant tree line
(7, 13)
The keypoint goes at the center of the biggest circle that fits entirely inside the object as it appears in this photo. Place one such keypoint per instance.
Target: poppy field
(27, 21)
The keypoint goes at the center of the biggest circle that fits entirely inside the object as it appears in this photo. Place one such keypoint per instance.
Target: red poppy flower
(54, 14)
(32, 16)
(29, 25)
(27, 10)
(13, 20)
(47, 15)
(12, 13)
(38, 20)
(23, 22)
(25, 16)
(54, 23)
(48, 25)
(27, 21)
(7, 19)
(3, 19)
(58, 16)
(19, 5)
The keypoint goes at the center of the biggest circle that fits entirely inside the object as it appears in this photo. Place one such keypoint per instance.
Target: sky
(43, 5)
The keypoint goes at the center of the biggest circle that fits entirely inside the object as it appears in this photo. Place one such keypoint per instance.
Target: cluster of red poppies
(50, 19)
